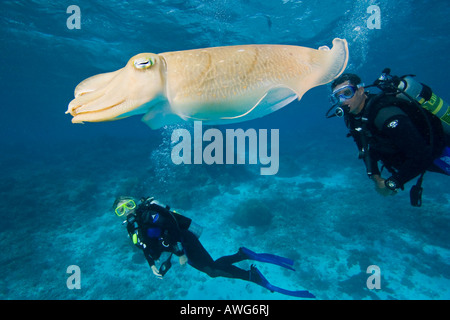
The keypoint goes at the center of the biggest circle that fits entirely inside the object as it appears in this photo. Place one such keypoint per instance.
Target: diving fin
(269, 258)
(258, 278)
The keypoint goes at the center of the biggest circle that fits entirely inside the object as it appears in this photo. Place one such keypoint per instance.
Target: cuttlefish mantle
(216, 85)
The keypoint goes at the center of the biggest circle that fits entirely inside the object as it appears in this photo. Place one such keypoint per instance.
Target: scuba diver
(406, 127)
(155, 229)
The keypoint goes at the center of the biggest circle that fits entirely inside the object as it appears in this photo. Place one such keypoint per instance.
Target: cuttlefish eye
(143, 63)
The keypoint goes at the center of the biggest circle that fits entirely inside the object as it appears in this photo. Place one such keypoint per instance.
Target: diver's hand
(183, 260)
(380, 186)
(156, 272)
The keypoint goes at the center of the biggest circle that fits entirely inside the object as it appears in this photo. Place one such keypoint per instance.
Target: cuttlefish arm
(215, 85)
(119, 94)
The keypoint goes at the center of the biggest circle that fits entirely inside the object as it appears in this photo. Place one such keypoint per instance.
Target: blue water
(60, 179)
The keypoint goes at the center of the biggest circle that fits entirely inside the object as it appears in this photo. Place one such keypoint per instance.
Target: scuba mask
(338, 97)
(125, 207)
(343, 94)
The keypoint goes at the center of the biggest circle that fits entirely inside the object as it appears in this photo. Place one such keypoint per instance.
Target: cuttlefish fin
(334, 62)
(328, 64)
(276, 98)
(160, 116)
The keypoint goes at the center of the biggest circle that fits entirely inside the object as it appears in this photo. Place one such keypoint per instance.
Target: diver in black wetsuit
(408, 143)
(155, 229)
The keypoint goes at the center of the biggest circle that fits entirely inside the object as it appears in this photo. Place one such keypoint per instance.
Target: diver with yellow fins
(155, 229)
(406, 127)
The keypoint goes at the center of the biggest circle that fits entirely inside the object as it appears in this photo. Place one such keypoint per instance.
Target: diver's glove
(156, 272)
(183, 259)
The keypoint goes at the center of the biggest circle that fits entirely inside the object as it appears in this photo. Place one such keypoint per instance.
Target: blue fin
(264, 283)
(269, 258)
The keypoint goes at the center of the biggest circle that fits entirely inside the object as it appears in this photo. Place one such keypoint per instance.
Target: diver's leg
(237, 257)
(201, 260)
(196, 253)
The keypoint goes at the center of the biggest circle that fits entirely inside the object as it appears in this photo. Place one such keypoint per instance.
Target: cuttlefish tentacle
(217, 85)
(94, 83)
(103, 101)
(90, 90)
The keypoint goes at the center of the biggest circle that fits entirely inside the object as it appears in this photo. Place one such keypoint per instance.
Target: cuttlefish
(217, 85)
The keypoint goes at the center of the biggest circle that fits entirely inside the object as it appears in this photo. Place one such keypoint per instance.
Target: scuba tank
(426, 98)
(407, 88)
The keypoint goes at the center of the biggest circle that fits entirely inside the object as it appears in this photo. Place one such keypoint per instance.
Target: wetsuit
(158, 229)
(400, 140)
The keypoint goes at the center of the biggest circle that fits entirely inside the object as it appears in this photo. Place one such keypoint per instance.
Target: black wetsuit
(400, 140)
(159, 229)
